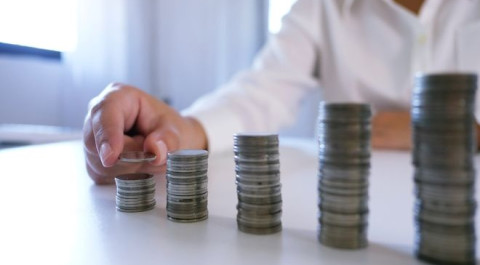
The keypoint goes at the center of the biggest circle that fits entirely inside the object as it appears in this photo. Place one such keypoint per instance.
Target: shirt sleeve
(266, 97)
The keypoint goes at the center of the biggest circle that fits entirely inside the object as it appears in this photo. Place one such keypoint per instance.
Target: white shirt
(353, 51)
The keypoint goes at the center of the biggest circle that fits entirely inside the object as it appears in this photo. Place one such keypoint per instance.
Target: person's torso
(370, 50)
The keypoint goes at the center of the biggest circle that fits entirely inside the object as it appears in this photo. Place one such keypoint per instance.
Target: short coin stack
(187, 185)
(257, 167)
(344, 166)
(135, 191)
(444, 145)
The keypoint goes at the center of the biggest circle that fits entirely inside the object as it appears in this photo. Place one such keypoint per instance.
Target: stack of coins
(136, 191)
(444, 145)
(257, 167)
(344, 166)
(187, 186)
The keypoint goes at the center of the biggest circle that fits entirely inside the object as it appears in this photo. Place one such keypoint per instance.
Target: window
(46, 24)
(277, 9)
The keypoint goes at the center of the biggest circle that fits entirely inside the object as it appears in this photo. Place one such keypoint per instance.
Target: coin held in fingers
(136, 157)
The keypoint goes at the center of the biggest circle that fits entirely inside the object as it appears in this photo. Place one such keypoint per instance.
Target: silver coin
(443, 219)
(178, 170)
(260, 182)
(135, 192)
(258, 225)
(259, 199)
(134, 178)
(187, 186)
(136, 157)
(271, 208)
(186, 208)
(342, 243)
(344, 161)
(422, 79)
(447, 207)
(187, 154)
(257, 168)
(260, 191)
(344, 111)
(342, 184)
(324, 189)
(259, 231)
(444, 145)
(257, 218)
(346, 237)
(265, 158)
(187, 217)
(255, 138)
(342, 219)
(250, 167)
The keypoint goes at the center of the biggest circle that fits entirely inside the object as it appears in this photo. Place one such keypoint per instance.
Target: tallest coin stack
(444, 145)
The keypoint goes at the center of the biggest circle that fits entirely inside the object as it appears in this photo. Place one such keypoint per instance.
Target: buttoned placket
(420, 42)
(423, 41)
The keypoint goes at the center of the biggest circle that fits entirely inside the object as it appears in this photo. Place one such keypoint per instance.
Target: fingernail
(163, 151)
(105, 153)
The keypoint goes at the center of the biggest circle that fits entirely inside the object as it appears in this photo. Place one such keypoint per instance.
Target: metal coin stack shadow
(444, 145)
(187, 186)
(257, 167)
(344, 166)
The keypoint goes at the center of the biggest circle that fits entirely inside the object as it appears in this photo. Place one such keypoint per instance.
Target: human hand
(122, 118)
(392, 130)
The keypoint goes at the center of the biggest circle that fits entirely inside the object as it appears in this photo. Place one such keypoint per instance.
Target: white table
(52, 213)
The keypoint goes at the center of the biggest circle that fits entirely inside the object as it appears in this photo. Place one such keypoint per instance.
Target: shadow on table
(304, 243)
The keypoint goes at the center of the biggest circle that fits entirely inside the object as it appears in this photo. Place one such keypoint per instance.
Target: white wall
(202, 44)
(31, 90)
(178, 50)
(172, 52)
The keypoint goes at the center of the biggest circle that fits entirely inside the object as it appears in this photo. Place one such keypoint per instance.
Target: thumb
(160, 142)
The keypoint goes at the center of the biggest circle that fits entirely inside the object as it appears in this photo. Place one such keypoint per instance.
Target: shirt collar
(347, 5)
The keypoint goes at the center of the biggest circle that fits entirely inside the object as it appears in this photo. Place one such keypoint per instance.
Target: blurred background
(55, 55)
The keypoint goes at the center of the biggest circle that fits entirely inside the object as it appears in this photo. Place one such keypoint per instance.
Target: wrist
(196, 136)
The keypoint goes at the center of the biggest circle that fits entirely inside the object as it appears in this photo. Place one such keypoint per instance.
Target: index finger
(108, 125)
(114, 112)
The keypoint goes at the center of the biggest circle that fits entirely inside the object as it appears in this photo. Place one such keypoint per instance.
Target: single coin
(136, 157)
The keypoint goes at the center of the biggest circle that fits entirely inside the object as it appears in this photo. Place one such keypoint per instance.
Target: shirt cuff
(219, 125)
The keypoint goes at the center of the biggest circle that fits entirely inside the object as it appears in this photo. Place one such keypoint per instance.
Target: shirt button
(422, 39)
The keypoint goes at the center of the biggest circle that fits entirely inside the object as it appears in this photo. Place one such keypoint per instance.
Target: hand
(392, 130)
(122, 118)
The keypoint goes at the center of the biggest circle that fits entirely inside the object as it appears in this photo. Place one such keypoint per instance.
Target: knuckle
(97, 104)
(99, 135)
(118, 89)
(113, 93)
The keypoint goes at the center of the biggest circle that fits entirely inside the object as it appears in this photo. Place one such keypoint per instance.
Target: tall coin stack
(187, 185)
(344, 167)
(135, 192)
(444, 145)
(257, 167)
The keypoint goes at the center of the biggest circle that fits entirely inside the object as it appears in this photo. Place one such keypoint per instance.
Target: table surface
(54, 214)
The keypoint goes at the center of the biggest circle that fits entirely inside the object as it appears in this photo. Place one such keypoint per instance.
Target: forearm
(196, 136)
(392, 130)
